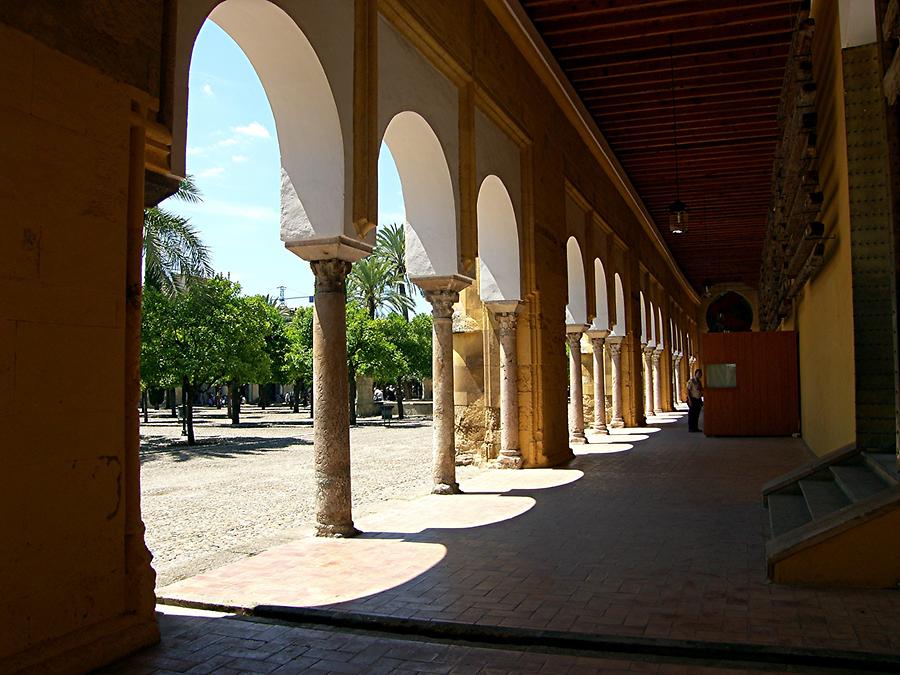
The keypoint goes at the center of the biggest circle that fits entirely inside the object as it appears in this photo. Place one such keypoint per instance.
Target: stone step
(823, 497)
(884, 464)
(858, 481)
(786, 513)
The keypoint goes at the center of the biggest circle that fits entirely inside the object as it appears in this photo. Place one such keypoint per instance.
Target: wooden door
(766, 398)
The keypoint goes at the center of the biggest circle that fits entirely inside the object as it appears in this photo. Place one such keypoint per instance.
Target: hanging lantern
(678, 217)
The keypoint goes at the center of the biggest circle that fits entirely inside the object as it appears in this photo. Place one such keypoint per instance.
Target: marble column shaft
(443, 444)
(510, 454)
(615, 363)
(331, 424)
(599, 386)
(657, 382)
(648, 380)
(576, 395)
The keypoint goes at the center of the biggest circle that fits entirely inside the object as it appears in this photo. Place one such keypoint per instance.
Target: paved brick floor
(648, 532)
(204, 642)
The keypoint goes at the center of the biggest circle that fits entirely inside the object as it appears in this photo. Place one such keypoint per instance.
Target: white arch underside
(498, 243)
(431, 243)
(619, 328)
(305, 112)
(576, 308)
(601, 318)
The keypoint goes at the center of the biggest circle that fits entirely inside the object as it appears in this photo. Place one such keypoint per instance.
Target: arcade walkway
(649, 533)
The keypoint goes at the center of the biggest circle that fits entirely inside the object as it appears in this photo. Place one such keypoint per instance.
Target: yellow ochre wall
(824, 313)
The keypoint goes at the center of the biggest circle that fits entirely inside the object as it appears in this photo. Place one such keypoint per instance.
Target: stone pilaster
(598, 338)
(331, 424)
(614, 344)
(505, 315)
(576, 411)
(442, 293)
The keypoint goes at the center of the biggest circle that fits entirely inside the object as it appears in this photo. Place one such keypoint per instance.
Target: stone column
(442, 293)
(657, 381)
(648, 379)
(576, 403)
(331, 425)
(505, 314)
(597, 339)
(676, 367)
(614, 344)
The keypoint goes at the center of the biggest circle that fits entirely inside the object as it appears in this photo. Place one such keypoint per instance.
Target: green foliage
(372, 283)
(276, 339)
(390, 246)
(173, 253)
(369, 348)
(298, 356)
(207, 334)
(413, 340)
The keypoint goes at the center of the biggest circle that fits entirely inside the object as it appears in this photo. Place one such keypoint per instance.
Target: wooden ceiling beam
(653, 46)
(678, 25)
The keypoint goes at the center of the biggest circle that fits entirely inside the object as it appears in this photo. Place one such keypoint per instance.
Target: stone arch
(308, 122)
(651, 336)
(601, 316)
(661, 335)
(498, 243)
(431, 241)
(619, 329)
(576, 306)
(644, 336)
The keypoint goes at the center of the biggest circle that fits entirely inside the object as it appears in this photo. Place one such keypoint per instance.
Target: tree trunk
(144, 397)
(312, 400)
(402, 288)
(262, 397)
(235, 402)
(399, 399)
(298, 385)
(351, 372)
(188, 397)
(173, 404)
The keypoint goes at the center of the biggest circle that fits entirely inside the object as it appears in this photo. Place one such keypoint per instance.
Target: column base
(577, 438)
(336, 531)
(509, 462)
(617, 423)
(446, 489)
(600, 429)
(658, 412)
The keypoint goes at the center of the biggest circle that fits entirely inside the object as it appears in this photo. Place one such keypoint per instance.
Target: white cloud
(239, 159)
(212, 171)
(254, 129)
(208, 90)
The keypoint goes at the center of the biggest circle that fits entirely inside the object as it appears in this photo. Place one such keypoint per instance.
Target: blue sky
(233, 156)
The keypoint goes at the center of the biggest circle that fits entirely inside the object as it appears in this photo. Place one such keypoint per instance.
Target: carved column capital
(654, 357)
(330, 275)
(614, 347)
(506, 323)
(574, 339)
(442, 302)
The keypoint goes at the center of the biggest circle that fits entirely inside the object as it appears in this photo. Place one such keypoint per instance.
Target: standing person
(695, 400)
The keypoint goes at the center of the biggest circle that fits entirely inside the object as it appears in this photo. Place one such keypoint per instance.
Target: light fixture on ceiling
(678, 211)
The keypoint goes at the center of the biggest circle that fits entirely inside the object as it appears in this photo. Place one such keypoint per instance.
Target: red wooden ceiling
(729, 58)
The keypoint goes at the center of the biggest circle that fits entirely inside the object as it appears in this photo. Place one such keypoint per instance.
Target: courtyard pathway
(243, 490)
(649, 532)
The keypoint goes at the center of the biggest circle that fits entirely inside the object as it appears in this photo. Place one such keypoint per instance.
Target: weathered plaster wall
(824, 313)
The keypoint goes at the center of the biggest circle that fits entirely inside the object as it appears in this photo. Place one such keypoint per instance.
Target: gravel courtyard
(243, 490)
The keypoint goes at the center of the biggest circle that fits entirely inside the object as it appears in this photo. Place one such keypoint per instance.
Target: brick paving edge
(531, 639)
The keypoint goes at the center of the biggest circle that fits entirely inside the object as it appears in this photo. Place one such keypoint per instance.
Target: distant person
(378, 395)
(695, 400)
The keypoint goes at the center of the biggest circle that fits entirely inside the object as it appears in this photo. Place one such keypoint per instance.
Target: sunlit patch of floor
(443, 512)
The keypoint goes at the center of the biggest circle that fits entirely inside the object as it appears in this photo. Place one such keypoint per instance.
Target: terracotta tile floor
(649, 532)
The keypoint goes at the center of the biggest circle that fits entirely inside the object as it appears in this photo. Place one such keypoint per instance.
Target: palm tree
(372, 283)
(173, 252)
(390, 246)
